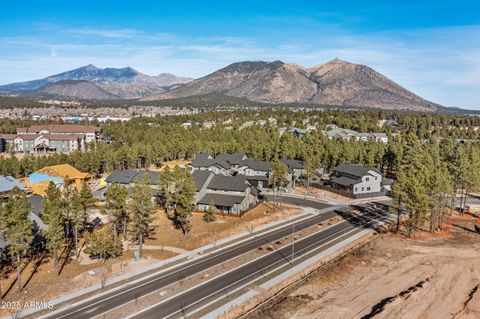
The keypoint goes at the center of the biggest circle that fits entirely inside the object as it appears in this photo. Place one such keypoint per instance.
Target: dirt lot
(393, 277)
(41, 283)
(321, 194)
(203, 233)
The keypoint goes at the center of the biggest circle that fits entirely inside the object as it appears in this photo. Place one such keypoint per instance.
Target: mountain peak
(89, 67)
(337, 83)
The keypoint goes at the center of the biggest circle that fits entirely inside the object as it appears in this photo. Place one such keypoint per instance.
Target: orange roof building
(59, 174)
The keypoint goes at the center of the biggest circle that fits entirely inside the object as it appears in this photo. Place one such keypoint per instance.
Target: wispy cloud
(106, 33)
(441, 64)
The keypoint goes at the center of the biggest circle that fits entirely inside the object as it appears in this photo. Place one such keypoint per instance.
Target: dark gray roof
(121, 177)
(236, 183)
(199, 178)
(36, 203)
(387, 181)
(129, 176)
(202, 160)
(221, 200)
(257, 178)
(293, 164)
(153, 176)
(222, 164)
(263, 166)
(8, 183)
(233, 158)
(345, 181)
(353, 169)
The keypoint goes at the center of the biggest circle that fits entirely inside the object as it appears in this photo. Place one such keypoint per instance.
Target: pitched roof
(63, 170)
(8, 136)
(387, 181)
(345, 181)
(221, 199)
(59, 129)
(237, 183)
(233, 158)
(122, 177)
(263, 166)
(36, 203)
(152, 176)
(62, 137)
(353, 169)
(8, 183)
(199, 178)
(202, 160)
(28, 137)
(293, 164)
(130, 176)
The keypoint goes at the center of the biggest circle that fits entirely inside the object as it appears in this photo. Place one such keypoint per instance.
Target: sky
(430, 47)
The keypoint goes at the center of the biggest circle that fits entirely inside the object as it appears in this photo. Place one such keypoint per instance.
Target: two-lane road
(222, 286)
(115, 298)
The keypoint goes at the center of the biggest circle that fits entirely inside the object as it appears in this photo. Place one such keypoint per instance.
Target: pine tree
(209, 215)
(74, 213)
(166, 185)
(141, 209)
(17, 228)
(103, 244)
(54, 219)
(183, 198)
(116, 197)
(278, 176)
(86, 198)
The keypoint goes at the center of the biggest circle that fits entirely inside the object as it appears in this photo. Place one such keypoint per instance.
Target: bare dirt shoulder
(392, 277)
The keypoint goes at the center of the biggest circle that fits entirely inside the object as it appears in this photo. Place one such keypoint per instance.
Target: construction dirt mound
(393, 277)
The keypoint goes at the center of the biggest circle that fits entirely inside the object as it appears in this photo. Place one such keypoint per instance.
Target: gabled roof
(63, 137)
(233, 158)
(387, 181)
(59, 129)
(8, 136)
(345, 181)
(130, 176)
(202, 160)
(152, 176)
(237, 183)
(293, 164)
(263, 166)
(199, 178)
(353, 169)
(63, 170)
(8, 183)
(221, 199)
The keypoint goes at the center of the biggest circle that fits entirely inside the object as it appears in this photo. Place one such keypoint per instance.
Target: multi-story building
(357, 181)
(49, 139)
(91, 132)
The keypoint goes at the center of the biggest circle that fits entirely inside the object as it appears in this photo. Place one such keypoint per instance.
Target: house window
(363, 188)
(356, 189)
(375, 178)
(368, 188)
(367, 179)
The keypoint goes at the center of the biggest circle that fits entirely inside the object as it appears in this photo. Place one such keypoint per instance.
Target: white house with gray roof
(357, 180)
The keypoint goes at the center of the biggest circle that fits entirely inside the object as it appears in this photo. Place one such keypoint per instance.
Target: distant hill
(72, 89)
(125, 83)
(337, 83)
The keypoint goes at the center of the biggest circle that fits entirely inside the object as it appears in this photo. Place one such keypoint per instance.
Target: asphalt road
(219, 287)
(114, 299)
(296, 200)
